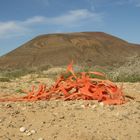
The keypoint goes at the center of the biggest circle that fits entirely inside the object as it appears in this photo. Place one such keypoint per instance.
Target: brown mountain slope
(96, 48)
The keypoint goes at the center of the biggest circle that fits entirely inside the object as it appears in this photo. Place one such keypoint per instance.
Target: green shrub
(123, 77)
(19, 91)
(12, 74)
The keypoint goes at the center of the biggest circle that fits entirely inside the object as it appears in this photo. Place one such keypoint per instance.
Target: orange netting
(75, 87)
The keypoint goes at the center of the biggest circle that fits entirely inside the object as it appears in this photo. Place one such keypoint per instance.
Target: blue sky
(22, 20)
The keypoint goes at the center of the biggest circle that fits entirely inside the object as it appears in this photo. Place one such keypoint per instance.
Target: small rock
(22, 129)
(78, 107)
(27, 131)
(72, 115)
(33, 131)
(111, 108)
(55, 114)
(29, 134)
(16, 112)
(101, 104)
(8, 105)
(23, 108)
(62, 117)
(117, 114)
(72, 90)
(40, 138)
(83, 106)
(7, 138)
(53, 120)
(93, 106)
(44, 122)
(23, 119)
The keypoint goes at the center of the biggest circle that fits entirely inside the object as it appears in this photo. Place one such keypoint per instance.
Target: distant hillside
(92, 48)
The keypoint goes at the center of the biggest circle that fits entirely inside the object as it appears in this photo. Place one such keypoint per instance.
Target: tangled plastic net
(75, 87)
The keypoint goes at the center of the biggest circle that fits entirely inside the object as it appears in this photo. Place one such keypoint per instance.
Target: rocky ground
(71, 120)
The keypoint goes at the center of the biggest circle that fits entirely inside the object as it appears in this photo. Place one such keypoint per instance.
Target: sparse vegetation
(19, 91)
(114, 74)
(44, 67)
(129, 72)
(4, 79)
(123, 77)
(12, 74)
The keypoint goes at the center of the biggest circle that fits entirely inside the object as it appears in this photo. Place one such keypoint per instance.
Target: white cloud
(34, 20)
(10, 29)
(72, 18)
(96, 3)
(75, 17)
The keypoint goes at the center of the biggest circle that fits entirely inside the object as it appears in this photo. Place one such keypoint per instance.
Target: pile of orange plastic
(75, 87)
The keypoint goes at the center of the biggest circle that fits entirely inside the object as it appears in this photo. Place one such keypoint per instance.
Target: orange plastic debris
(76, 87)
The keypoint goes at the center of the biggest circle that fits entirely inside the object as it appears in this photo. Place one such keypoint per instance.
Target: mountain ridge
(96, 48)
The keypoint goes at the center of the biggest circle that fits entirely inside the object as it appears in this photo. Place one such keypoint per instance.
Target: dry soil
(68, 120)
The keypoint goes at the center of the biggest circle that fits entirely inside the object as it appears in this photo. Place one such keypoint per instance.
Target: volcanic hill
(94, 48)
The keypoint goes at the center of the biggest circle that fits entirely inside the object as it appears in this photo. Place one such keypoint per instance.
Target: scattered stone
(83, 106)
(55, 114)
(7, 138)
(72, 115)
(23, 120)
(44, 122)
(117, 114)
(77, 107)
(72, 90)
(22, 129)
(40, 138)
(16, 112)
(29, 134)
(111, 108)
(23, 108)
(8, 105)
(101, 104)
(27, 131)
(33, 131)
(93, 106)
(62, 117)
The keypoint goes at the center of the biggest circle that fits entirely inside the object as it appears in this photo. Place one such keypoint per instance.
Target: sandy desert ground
(67, 120)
